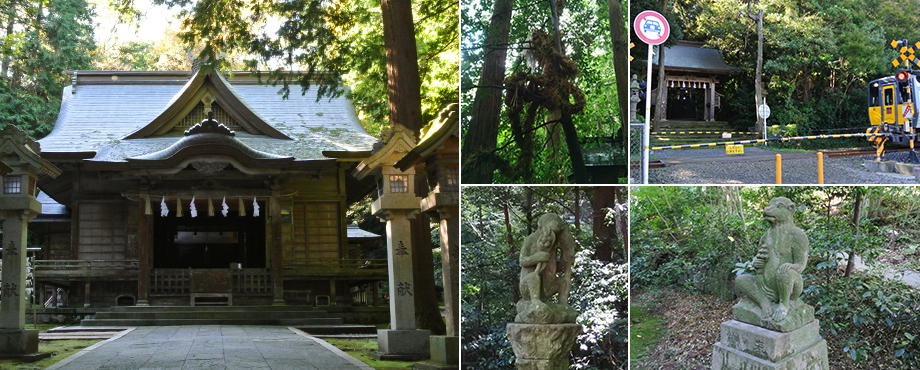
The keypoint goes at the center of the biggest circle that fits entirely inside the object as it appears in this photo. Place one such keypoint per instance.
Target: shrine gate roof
(689, 56)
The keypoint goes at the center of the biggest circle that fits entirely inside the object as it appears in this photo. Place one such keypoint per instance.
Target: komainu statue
(772, 293)
(546, 270)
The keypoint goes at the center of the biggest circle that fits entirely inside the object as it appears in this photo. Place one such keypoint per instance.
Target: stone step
(84, 329)
(210, 314)
(333, 330)
(246, 321)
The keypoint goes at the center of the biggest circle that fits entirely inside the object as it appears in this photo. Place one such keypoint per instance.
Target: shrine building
(191, 189)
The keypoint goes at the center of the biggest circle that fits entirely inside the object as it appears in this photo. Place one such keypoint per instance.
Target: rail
(335, 266)
(122, 269)
(251, 281)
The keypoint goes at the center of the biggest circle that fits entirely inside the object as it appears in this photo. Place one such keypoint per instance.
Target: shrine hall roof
(689, 56)
(101, 109)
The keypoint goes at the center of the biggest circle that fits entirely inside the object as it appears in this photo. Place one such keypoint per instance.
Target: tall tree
(482, 136)
(314, 37)
(41, 40)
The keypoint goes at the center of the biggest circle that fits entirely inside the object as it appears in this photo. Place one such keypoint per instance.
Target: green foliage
(342, 37)
(872, 319)
(48, 37)
(586, 38)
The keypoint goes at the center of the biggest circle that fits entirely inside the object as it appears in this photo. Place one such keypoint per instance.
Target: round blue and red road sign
(651, 27)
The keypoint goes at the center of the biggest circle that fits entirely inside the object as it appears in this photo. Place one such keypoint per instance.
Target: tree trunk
(9, 31)
(662, 98)
(758, 85)
(405, 104)
(482, 136)
(571, 140)
(620, 65)
(604, 197)
(857, 211)
(577, 209)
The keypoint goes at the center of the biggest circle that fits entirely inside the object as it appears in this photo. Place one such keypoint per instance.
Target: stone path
(210, 347)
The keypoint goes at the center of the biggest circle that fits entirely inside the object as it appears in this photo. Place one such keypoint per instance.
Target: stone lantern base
(746, 346)
(402, 345)
(21, 345)
(542, 346)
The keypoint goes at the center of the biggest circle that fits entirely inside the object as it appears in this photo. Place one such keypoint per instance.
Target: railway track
(763, 157)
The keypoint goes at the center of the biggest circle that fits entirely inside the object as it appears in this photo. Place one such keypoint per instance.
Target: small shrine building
(691, 71)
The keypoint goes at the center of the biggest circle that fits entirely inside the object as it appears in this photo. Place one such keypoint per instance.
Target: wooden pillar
(712, 100)
(707, 104)
(376, 295)
(276, 253)
(143, 257)
(86, 301)
(333, 299)
(664, 103)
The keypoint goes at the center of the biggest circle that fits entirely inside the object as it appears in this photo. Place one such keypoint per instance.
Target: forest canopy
(539, 86)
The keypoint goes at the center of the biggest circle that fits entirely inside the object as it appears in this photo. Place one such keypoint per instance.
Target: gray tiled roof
(99, 116)
(694, 58)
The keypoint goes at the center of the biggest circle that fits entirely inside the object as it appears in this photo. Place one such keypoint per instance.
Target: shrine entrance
(209, 242)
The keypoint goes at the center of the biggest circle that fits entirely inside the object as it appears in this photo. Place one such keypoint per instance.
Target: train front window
(889, 96)
(905, 94)
(873, 95)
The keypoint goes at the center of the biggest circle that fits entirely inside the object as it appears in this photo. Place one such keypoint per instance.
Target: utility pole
(758, 85)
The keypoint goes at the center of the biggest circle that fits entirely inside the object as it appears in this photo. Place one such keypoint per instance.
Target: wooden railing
(85, 268)
(331, 266)
(170, 281)
(251, 281)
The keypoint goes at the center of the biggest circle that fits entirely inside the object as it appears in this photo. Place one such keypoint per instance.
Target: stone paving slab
(211, 347)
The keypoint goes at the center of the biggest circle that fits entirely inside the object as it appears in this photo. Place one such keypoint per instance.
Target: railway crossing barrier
(780, 139)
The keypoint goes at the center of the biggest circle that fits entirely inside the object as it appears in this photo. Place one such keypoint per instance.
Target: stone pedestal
(402, 345)
(749, 347)
(798, 315)
(542, 346)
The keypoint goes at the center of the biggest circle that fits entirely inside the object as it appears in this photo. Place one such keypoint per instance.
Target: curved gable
(206, 92)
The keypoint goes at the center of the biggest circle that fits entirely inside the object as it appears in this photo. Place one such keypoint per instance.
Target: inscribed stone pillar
(13, 304)
(399, 260)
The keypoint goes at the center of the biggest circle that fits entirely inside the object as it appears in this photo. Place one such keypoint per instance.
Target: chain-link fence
(635, 153)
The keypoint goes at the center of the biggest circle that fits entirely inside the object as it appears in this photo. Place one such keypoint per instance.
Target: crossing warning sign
(907, 112)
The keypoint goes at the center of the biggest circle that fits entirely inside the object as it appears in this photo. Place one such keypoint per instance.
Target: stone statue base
(534, 311)
(745, 346)
(542, 346)
(799, 314)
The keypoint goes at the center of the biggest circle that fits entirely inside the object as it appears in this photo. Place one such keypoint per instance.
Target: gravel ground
(803, 171)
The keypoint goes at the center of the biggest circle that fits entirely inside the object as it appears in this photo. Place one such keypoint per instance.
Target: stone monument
(543, 332)
(772, 328)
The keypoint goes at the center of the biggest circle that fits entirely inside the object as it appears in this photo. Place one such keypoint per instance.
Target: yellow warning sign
(734, 149)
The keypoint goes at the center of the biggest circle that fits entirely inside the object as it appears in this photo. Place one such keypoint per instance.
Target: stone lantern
(396, 204)
(439, 149)
(17, 207)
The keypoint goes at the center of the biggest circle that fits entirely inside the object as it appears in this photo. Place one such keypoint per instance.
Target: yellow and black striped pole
(783, 139)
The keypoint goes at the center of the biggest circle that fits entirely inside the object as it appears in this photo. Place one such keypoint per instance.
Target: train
(893, 117)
